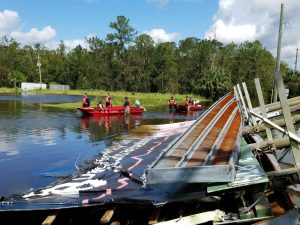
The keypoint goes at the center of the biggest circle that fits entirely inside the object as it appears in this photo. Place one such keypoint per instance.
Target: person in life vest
(187, 103)
(172, 104)
(127, 106)
(107, 100)
(85, 101)
(191, 102)
(100, 106)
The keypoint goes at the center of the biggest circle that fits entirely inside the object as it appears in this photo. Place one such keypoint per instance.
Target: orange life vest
(84, 101)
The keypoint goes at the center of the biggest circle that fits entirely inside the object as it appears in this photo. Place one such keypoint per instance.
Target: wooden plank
(115, 223)
(261, 127)
(276, 105)
(277, 143)
(195, 219)
(155, 216)
(108, 215)
(290, 134)
(50, 219)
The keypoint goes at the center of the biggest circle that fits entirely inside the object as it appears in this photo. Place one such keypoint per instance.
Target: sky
(50, 21)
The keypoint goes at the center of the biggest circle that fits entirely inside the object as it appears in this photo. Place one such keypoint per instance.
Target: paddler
(127, 106)
(172, 104)
(85, 101)
(107, 100)
(101, 106)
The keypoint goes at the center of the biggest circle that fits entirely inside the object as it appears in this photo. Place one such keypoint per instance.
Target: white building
(32, 86)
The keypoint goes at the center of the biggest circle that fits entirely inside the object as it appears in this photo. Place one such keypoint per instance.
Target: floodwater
(39, 144)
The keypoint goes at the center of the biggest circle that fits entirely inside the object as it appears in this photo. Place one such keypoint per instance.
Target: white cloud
(70, 44)
(34, 35)
(8, 21)
(160, 35)
(73, 43)
(159, 2)
(10, 26)
(242, 20)
(241, 32)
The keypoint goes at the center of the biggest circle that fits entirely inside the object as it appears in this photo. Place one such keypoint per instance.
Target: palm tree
(16, 77)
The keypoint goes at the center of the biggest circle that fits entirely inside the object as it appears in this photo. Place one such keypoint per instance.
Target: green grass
(7, 90)
(148, 100)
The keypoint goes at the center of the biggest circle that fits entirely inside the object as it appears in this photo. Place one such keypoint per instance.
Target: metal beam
(243, 102)
(287, 115)
(292, 136)
(201, 174)
(203, 135)
(249, 104)
(262, 106)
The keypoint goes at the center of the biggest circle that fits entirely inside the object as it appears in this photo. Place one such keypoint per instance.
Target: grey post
(249, 104)
(262, 107)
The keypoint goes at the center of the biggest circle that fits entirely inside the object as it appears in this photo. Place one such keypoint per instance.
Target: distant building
(32, 86)
(59, 87)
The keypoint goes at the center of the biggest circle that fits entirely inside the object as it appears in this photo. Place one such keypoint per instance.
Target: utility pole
(277, 69)
(40, 72)
(283, 100)
(295, 62)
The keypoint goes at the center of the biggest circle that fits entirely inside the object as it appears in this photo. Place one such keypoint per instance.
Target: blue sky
(75, 19)
(49, 21)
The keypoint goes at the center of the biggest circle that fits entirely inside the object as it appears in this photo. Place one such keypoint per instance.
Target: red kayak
(183, 108)
(113, 110)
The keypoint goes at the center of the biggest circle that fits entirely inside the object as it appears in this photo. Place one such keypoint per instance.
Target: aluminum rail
(177, 141)
(206, 152)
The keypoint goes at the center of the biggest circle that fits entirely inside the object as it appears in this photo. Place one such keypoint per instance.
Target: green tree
(144, 47)
(166, 58)
(123, 36)
(16, 77)
(215, 83)
(77, 63)
(188, 63)
(251, 61)
(100, 66)
(9, 58)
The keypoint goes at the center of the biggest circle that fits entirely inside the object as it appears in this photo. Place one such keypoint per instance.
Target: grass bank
(148, 100)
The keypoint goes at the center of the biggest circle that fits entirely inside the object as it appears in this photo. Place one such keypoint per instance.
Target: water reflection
(175, 116)
(39, 144)
(103, 126)
(36, 98)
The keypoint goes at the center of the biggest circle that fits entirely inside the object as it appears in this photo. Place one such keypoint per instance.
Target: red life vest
(84, 101)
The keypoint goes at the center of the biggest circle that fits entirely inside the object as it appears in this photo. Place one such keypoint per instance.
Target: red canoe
(183, 108)
(113, 110)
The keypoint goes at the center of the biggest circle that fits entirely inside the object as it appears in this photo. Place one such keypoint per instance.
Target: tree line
(135, 63)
